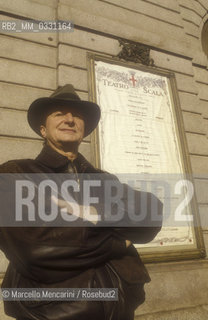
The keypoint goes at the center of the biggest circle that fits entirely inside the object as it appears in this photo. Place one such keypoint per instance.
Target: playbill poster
(137, 133)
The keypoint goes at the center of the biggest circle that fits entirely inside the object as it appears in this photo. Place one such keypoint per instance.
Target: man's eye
(78, 115)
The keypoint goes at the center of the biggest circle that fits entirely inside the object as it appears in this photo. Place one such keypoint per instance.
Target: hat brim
(40, 107)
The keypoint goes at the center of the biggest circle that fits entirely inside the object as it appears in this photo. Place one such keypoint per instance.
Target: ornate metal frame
(135, 52)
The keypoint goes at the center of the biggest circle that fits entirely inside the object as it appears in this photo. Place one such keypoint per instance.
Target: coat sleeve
(145, 220)
(141, 213)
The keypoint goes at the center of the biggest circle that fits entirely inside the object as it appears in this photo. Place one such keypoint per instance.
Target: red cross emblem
(133, 80)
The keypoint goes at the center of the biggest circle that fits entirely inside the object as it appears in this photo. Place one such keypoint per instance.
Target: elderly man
(72, 257)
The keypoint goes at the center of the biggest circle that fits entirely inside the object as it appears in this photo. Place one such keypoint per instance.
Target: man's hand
(84, 212)
(128, 243)
(81, 213)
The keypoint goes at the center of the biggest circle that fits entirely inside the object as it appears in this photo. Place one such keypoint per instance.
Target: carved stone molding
(135, 52)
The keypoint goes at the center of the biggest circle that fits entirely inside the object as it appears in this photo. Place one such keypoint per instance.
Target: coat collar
(55, 160)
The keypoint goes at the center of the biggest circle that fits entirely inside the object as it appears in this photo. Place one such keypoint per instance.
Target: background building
(33, 65)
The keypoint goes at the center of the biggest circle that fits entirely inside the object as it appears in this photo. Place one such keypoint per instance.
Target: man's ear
(43, 131)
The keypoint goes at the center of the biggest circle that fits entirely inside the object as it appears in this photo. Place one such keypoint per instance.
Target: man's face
(63, 126)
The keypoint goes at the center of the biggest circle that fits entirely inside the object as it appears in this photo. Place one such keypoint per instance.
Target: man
(73, 257)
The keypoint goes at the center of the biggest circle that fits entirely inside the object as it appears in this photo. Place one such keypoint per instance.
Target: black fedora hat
(63, 96)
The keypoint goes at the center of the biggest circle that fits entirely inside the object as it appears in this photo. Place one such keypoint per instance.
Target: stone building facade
(32, 65)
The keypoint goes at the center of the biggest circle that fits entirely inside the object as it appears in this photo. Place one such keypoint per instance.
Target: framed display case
(141, 135)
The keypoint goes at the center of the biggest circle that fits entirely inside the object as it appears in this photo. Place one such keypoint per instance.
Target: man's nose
(69, 117)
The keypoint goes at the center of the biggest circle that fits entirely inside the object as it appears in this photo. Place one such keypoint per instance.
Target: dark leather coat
(59, 257)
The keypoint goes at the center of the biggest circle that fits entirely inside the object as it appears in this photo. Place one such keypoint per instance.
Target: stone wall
(33, 65)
